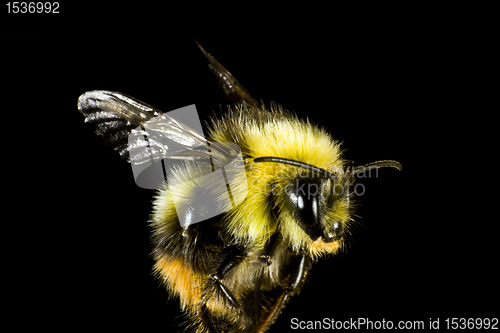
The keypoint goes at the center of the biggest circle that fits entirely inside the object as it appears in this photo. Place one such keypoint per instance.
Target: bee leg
(272, 243)
(293, 283)
(230, 257)
(209, 321)
(297, 271)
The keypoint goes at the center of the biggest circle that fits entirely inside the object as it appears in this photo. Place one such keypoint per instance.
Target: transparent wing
(231, 87)
(117, 116)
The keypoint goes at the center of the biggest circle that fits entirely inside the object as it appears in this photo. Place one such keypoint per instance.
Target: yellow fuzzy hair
(184, 282)
(260, 213)
(277, 133)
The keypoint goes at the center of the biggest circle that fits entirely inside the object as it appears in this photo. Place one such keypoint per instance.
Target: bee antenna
(322, 172)
(376, 165)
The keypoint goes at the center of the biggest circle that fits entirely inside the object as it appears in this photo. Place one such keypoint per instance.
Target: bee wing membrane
(232, 88)
(139, 131)
(99, 105)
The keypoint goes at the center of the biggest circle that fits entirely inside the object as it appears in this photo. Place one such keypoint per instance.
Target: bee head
(318, 203)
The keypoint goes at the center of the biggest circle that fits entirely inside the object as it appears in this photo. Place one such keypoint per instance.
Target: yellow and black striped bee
(293, 203)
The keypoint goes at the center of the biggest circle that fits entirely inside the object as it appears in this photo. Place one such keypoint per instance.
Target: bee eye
(307, 208)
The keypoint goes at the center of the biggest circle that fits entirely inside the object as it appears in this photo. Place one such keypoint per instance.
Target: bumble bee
(292, 204)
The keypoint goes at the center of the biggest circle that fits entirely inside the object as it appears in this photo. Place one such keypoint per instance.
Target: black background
(383, 89)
